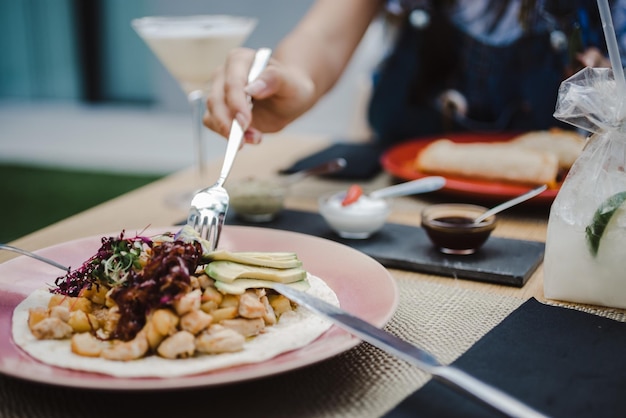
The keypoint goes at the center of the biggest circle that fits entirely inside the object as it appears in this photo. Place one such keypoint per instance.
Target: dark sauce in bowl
(452, 230)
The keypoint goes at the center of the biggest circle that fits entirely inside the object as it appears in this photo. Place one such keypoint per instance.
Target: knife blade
(450, 375)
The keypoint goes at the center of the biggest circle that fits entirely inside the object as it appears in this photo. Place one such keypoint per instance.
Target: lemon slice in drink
(601, 219)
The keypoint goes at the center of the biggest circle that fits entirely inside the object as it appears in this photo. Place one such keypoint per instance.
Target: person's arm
(305, 65)
(324, 41)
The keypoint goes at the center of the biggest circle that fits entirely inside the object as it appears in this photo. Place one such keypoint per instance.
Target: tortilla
(294, 330)
(489, 161)
(566, 145)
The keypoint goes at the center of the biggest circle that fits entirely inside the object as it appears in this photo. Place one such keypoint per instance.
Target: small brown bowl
(451, 227)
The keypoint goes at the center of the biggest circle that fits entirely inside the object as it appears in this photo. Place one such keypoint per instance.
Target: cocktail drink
(586, 236)
(573, 273)
(586, 240)
(191, 48)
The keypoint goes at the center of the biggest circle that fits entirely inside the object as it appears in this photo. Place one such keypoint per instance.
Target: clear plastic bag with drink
(585, 259)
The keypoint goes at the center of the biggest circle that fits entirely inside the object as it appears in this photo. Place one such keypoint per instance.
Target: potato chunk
(212, 294)
(224, 313)
(58, 300)
(280, 304)
(229, 301)
(97, 294)
(71, 303)
(160, 324)
(36, 315)
(79, 321)
(165, 321)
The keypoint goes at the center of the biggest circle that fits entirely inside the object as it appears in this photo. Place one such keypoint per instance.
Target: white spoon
(502, 206)
(423, 185)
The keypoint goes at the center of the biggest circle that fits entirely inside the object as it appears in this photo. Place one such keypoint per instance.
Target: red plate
(399, 159)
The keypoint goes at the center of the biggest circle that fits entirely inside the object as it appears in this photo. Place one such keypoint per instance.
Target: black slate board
(500, 260)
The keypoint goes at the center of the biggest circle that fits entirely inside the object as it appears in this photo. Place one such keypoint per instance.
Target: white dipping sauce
(356, 220)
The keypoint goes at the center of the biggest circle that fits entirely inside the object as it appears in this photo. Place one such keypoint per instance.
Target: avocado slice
(229, 271)
(279, 260)
(239, 286)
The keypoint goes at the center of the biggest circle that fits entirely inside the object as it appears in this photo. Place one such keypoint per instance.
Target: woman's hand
(280, 94)
(593, 57)
(305, 65)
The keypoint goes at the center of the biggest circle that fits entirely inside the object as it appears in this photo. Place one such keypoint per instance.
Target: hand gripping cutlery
(209, 205)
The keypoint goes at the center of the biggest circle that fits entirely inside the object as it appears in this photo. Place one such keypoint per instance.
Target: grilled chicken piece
(188, 302)
(85, 344)
(195, 321)
(51, 329)
(246, 327)
(218, 339)
(180, 345)
(250, 306)
(127, 350)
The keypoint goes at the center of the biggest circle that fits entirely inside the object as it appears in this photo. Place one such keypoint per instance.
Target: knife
(456, 378)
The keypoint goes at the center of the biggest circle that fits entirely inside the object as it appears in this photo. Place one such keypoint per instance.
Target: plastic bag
(585, 259)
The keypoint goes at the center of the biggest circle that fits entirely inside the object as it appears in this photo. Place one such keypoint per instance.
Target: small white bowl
(358, 220)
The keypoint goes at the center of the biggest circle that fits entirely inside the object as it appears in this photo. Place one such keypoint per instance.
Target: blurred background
(87, 112)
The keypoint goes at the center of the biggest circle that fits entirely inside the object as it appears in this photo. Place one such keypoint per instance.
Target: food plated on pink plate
(192, 334)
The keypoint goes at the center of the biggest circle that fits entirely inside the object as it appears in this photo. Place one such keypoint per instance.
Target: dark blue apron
(511, 88)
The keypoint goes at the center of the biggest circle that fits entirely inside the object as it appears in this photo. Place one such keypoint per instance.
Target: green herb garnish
(601, 219)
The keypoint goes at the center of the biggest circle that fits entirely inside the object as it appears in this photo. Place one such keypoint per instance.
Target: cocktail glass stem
(196, 101)
(190, 48)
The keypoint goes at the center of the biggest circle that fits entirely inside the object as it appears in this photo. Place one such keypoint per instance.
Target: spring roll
(566, 145)
(488, 161)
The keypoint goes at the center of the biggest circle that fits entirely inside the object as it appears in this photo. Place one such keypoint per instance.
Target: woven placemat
(362, 382)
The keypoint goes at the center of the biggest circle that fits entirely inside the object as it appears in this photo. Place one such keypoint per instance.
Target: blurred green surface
(34, 197)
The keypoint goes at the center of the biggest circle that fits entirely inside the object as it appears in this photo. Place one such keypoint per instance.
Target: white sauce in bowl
(357, 220)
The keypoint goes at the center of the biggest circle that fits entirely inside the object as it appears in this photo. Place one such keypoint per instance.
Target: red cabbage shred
(164, 277)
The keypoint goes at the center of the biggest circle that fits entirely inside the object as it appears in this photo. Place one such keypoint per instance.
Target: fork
(209, 205)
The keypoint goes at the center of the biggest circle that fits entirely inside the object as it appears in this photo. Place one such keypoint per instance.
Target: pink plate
(364, 288)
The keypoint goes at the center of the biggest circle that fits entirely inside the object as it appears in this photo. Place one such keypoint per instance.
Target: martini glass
(191, 48)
